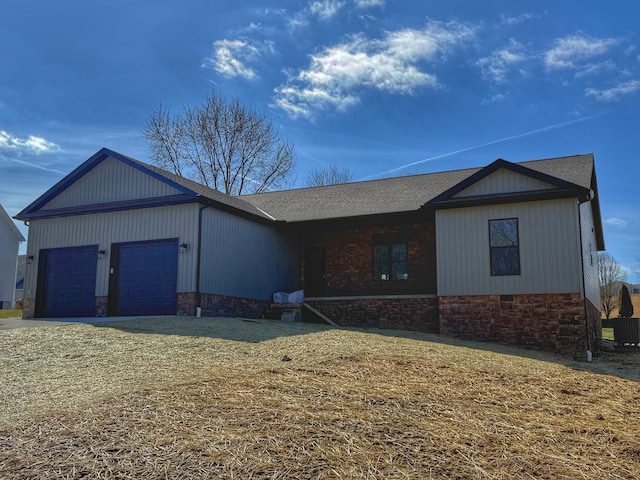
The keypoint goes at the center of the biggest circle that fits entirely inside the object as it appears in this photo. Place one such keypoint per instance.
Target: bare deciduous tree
(221, 144)
(329, 175)
(609, 272)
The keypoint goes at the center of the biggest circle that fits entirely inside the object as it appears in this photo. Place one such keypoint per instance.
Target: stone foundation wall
(186, 304)
(221, 306)
(554, 322)
(101, 306)
(419, 313)
(28, 307)
(212, 306)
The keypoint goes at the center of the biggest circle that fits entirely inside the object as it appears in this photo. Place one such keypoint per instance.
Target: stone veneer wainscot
(553, 322)
(405, 312)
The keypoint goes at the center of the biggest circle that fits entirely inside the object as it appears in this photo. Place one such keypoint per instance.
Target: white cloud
(496, 98)
(613, 93)
(31, 144)
(616, 222)
(496, 66)
(596, 68)
(571, 52)
(230, 57)
(299, 20)
(325, 9)
(368, 3)
(337, 75)
(518, 19)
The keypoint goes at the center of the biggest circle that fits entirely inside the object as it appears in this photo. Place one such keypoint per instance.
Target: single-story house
(10, 239)
(506, 252)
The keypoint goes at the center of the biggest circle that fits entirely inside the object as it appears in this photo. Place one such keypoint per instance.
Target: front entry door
(315, 271)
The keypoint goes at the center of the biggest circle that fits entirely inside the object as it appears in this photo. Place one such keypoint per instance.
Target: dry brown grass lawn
(213, 398)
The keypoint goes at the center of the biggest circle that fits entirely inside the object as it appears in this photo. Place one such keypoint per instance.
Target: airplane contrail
(493, 142)
(29, 164)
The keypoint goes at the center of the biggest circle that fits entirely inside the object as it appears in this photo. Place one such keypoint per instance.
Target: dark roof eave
(180, 199)
(210, 202)
(355, 221)
(597, 214)
(512, 197)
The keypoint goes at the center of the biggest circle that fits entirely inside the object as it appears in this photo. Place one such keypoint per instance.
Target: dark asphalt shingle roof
(392, 195)
(202, 190)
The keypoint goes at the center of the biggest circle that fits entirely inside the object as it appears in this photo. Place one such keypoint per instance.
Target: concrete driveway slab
(10, 323)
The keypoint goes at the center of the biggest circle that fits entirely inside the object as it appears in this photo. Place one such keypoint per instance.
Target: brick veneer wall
(418, 313)
(212, 306)
(101, 306)
(554, 322)
(221, 306)
(349, 260)
(186, 304)
(28, 307)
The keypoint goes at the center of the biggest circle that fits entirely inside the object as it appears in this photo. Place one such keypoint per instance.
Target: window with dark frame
(390, 261)
(504, 244)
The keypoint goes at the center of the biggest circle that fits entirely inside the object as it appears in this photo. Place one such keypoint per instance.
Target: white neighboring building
(22, 266)
(10, 238)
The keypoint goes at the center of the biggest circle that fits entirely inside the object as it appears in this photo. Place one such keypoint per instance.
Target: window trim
(389, 242)
(518, 270)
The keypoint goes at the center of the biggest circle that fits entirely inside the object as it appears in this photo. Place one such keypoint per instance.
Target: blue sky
(382, 87)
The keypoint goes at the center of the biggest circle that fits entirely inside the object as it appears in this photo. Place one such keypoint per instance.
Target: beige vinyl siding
(111, 181)
(590, 255)
(104, 229)
(242, 258)
(504, 181)
(549, 249)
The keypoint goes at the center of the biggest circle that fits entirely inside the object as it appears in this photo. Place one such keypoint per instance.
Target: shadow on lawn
(623, 363)
(235, 329)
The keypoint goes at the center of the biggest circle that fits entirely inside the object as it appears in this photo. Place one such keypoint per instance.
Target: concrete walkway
(9, 323)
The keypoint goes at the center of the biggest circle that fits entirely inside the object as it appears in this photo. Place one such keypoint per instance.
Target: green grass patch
(10, 313)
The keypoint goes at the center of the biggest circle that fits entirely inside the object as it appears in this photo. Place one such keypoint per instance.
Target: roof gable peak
(87, 166)
(537, 180)
(12, 226)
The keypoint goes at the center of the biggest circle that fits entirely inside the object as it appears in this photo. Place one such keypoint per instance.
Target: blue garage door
(147, 277)
(67, 281)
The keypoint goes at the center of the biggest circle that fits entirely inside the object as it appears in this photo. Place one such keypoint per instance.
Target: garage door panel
(147, 278)
(68, 281)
